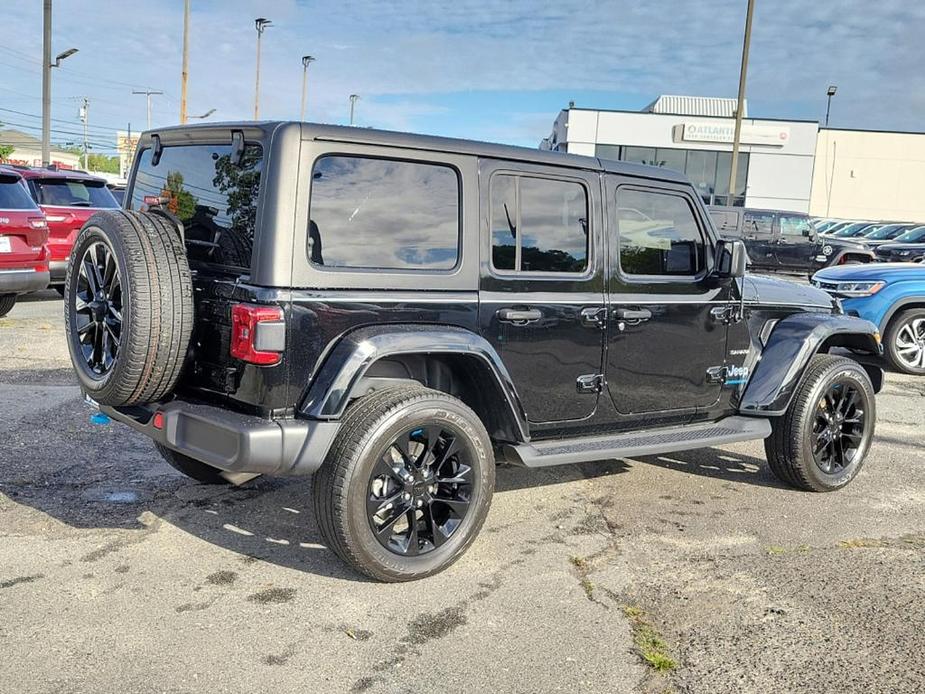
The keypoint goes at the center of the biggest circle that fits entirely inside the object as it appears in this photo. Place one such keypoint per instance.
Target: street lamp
(61, 56)
(306, 61)
(260, 23)
(206, 114)
(353, 102)
(830, 92)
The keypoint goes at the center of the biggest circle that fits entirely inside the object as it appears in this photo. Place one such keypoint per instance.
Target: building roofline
(868, 130)
(687, 115)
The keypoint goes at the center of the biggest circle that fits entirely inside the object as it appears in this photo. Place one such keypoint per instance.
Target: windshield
(72, 192)
(888, 231)
(13, 196)
(852, 229)
(911, 236)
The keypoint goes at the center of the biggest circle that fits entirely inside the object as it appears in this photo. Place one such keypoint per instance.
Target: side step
(638, 443)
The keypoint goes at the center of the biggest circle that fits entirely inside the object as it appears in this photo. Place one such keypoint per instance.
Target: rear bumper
(20, 281)
(58, 269)
(232, 441)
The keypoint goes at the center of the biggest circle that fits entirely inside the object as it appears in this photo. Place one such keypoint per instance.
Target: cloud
(399, 56)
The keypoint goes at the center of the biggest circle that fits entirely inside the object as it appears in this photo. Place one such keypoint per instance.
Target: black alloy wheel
(419, 490)
(838, 429)
(98, 308)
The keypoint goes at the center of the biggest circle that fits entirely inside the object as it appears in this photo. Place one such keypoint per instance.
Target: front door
(541, 298)
(667, 327)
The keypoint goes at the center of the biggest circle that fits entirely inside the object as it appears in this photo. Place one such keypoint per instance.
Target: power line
(59, 120)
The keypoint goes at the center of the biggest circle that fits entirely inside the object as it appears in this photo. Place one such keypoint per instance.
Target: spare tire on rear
(128, 307)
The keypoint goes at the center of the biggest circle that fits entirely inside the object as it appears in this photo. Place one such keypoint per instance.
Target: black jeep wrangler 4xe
(392, 314)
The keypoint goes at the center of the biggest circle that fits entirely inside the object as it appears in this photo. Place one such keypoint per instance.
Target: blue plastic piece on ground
(99, 418)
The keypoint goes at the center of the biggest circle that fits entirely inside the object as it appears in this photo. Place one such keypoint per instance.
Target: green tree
(181, 202)
(240, 183)
(6, 151)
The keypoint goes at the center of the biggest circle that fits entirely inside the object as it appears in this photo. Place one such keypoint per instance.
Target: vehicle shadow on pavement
(718, 464)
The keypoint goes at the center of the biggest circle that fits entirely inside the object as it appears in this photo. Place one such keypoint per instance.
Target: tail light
(258, 334)
(38, 223)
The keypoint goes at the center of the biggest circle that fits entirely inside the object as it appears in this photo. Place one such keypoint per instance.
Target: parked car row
(903, 241)
(41, 211)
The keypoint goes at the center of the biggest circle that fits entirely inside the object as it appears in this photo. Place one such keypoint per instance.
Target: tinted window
(215, 199)
(73, 193)
(383, 213)
(538, 224)
(13, 196)
(917, 234)
(667, 242)
(888, 231)
(795, 226)
(758, 224)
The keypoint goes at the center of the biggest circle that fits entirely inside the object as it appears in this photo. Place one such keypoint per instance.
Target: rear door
(795, 245)
(541, 298)
(758, 234)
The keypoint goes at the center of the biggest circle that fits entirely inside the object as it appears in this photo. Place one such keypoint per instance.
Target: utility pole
(46, 84)
(148, 94)
(306, 61)
(84, 118)
(353, 102)
(740, 100)
(260, 23)
(184, 72)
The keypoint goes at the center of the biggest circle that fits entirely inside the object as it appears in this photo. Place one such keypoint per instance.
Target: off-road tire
(788, 448)
(339, 487)
(897, 323)
(157, 307)
(7, 302)
(192, 468)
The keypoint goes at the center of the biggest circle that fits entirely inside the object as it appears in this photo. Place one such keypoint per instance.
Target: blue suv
(889, 295)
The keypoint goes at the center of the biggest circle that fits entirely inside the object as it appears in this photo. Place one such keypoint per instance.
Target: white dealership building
(784, 164)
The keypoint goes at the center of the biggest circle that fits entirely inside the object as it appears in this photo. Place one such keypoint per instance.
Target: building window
(383, 214)
(538, 224)
(707, 170)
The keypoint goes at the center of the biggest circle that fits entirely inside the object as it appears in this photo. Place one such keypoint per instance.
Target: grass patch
(774, 550)
(858, 542)
(587, 587)
(650, 646)
(580, 563)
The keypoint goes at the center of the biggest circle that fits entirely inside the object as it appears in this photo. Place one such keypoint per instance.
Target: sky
(496, 71)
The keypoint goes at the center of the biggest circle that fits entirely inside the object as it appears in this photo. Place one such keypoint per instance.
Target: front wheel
(406, 485)
(7, 302)
(905, 342)
(819, 444)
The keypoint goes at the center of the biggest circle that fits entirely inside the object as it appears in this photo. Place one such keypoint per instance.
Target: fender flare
(898, 306)
(841, 253)
(791, 345)
(333, 384)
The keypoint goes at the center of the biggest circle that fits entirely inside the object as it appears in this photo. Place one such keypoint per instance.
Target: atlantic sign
(774, 136)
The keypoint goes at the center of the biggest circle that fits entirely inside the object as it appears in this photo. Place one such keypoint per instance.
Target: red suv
(68, 199)
(23, 235)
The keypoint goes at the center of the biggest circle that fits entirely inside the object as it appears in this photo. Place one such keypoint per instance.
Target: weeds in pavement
(650, 646)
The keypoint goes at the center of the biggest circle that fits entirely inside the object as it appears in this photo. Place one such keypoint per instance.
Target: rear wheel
(7, 302)
(128, 307)
(206, 474)
(905, 341)
(406, 485)
(819, 444)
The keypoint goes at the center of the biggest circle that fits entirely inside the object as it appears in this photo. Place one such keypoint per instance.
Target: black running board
(638, 443)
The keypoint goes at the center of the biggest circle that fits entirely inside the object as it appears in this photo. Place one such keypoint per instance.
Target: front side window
(13, 195)
(538, 224)
(795, 226)
(383, 214)
(66, 192)
(665, 241)
(214, 197)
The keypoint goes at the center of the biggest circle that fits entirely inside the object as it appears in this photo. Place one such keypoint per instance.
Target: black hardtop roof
(432, 143)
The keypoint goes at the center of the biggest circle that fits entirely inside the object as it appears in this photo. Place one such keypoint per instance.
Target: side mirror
(731, 258)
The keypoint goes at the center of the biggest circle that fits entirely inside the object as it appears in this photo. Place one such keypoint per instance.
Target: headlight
(905, 253)
(858, 288)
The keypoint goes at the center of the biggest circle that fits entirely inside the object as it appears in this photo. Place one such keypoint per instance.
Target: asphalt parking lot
(117, 574)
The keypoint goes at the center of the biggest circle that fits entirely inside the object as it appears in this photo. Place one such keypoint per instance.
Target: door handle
(594, 316)
(519, 316)
(629, 314)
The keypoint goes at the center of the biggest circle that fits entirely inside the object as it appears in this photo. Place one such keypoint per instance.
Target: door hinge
(590, 383)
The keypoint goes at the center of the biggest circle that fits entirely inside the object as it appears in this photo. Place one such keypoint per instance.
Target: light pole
(205, 115)
(353, 102)
(260, 23)
(84, 113)
(740, 101)
(47, 65)
(148, 94)
(830, 92)
(184, 71)
(306, 61)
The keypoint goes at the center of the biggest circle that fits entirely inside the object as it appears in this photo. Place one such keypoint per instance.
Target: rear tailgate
(22, 239)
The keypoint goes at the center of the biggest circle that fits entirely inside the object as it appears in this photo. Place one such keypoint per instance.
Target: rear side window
(758, 223)
(73, 193)
(667, 241)
(13, 196)
(538, 224)
(214, 198)
(383, 214)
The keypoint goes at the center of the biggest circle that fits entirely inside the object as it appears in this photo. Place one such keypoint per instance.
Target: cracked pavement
(118, 574)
